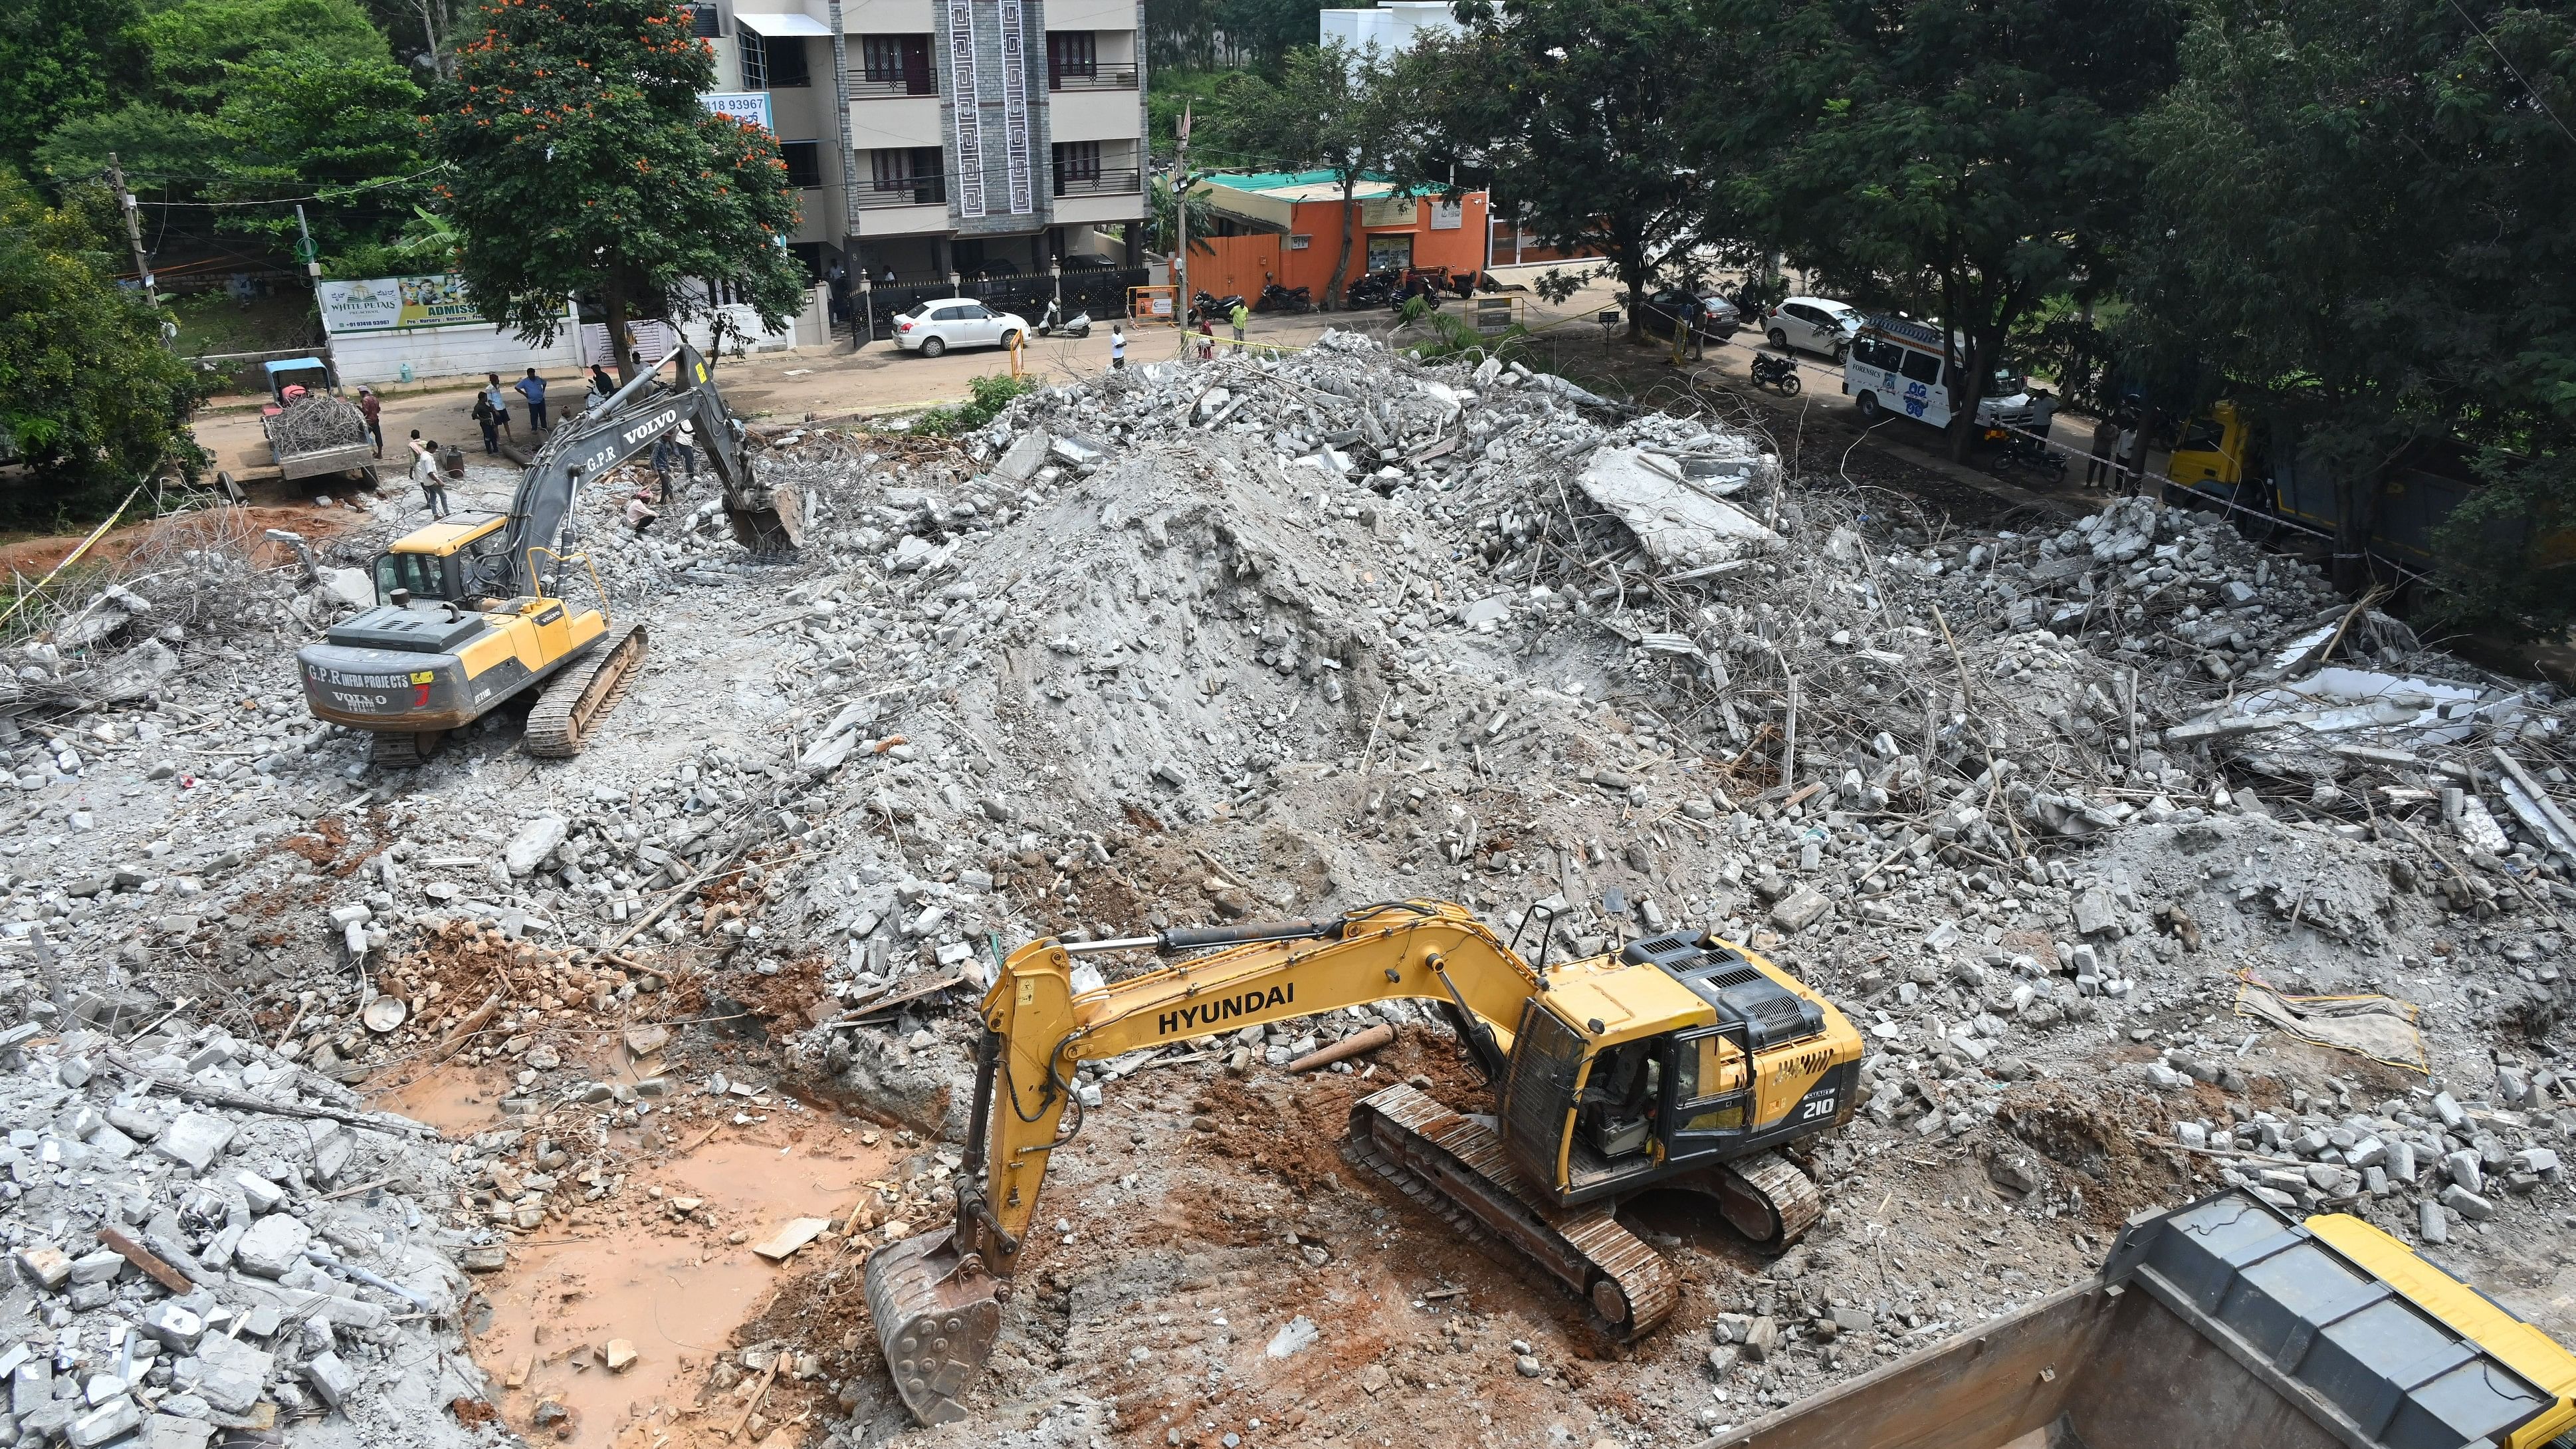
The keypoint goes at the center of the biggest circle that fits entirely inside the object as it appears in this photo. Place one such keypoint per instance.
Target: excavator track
(1454, 1165)
(402, 749)
(559, 724)
(1766, 1198)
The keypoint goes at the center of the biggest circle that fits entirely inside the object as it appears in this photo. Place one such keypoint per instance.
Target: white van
(1895, 367)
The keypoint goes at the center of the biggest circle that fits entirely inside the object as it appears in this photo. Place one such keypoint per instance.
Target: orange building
(1286, 227)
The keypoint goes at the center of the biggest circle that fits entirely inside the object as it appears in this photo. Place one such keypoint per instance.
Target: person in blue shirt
(533, 388)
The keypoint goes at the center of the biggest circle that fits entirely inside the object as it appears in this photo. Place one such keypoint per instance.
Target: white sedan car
(931, 328)
(1813, 324)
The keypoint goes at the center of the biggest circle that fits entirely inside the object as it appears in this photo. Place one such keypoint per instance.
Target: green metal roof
(1288, 180)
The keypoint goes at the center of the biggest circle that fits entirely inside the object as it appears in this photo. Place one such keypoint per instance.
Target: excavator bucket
(770, 521)
(937, 1313)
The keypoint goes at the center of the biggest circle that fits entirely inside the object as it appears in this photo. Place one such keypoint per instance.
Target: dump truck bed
(2222, 1323)
(320, 461)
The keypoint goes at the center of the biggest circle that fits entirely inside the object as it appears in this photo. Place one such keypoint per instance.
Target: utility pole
(313, 271)
(1181, 227)
(133, 231)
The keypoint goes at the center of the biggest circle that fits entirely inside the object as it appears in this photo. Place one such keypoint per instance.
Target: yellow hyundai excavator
(469, 614)
(1681, 1061)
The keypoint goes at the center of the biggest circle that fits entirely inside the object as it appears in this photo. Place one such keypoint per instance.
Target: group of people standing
(2115, 464)
(493, 404)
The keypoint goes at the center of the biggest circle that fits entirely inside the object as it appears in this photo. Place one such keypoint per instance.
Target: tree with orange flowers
(584, 165)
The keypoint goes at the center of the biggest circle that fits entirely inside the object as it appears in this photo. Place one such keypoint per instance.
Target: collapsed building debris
(1280, 636)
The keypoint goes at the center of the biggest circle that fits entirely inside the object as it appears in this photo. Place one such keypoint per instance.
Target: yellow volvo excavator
(469, 613)
(1680, 1062)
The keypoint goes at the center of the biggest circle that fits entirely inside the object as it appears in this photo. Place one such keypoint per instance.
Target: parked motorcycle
(1777, 373)
(1214, 308)
(1276, 298)
(1055, 324)
(2019, 452)
(1375, 289)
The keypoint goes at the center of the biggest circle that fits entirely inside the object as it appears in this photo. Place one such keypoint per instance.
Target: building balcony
(912, 83)
(1099, 183)
(1101, 78)
(910, 191)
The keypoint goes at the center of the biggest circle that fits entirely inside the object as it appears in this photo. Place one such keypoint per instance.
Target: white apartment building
(979, 137)
(1392, 26)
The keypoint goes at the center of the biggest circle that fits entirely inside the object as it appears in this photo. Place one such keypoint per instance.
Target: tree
(1331, 109)
(584, 163)
(60, 59)
(1959, 159)
(248, 99)
(1580, 114)
(89, 398)
(2365, 221)
(1163, 215)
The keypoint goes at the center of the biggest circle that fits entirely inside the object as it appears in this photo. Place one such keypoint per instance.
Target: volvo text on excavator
(470, 611)
(1680, 1061)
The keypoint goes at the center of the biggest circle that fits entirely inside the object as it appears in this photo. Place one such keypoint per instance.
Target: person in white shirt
(1117, 346)
(424, 470)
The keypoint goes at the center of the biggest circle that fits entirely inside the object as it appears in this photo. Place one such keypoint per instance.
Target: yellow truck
(2225, 1324)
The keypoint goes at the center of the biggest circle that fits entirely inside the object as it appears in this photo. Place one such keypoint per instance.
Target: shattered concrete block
(178, 1328)
(274, 1244)
(47, 1268)
(2464, 1168)
(175, 1431)
(332, 1378)
(98, 1267)
(1799, 909)
(109, 1421)
(2467, 1204)
(2095, 912)
(532, 842)
(194, 1139)
(262, 1194)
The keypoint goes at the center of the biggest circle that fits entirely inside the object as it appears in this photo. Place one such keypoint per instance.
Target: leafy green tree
(194, 45)
(89, 398)
(1958, 159)
(2364, 222)
(585, 164)
(1263, 32)
(1580, 115)
(60, 59)
(1331, 109)
(248, 99)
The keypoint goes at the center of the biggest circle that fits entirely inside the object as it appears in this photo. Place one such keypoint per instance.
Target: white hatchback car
(1813, 324)
(931, 328)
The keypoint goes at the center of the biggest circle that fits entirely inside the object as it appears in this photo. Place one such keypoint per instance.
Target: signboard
(1448, 215)
(383, 304)
(1388, 211)
(747, 106)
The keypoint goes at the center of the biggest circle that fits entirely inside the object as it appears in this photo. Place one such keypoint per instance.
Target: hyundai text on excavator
(469, 612)
(1681, 1061)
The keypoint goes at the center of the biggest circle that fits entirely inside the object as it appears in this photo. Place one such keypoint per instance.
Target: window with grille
(1076, 161)
(755, 58)
(787, 70)
(702, 21)
(892, 60)
(1071, 53)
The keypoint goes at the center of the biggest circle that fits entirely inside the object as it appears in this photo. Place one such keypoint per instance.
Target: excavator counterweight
(1680, 1062)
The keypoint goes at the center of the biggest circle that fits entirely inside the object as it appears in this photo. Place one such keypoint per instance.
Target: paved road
(880, 380)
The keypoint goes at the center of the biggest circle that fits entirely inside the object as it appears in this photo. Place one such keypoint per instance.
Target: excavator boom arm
(608, 433)
(1042, 1031)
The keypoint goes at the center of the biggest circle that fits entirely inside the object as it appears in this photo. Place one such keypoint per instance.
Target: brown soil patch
(2095, 1141)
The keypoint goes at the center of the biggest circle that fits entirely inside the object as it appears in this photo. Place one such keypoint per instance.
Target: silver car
(931, 328)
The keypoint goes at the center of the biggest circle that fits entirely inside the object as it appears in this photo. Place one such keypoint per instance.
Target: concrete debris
(2022, 801)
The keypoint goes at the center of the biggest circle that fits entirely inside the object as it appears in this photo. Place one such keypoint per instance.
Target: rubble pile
(205, 1238)
(2045, 811)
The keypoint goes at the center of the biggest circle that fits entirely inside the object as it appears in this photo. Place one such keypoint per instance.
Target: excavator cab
(1661, 1065)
